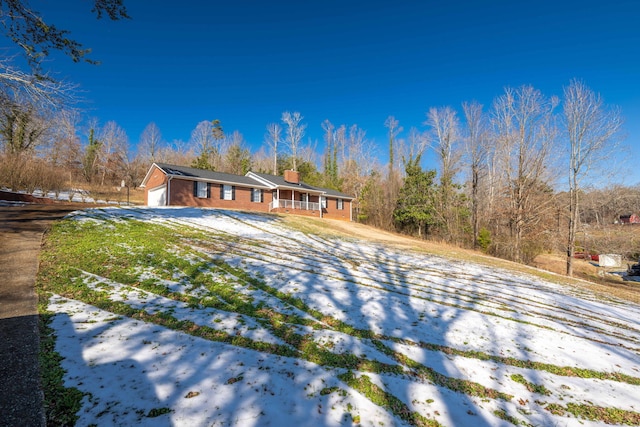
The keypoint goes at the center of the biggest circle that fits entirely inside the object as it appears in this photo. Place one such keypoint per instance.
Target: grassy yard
(205, 317)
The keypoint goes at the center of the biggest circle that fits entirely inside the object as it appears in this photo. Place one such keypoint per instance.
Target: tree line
(512, 178)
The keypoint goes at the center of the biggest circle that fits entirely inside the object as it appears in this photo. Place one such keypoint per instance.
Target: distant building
(629, 219)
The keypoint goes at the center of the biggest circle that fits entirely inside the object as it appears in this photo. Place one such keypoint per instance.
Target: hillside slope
(183, 316)
(547, 266)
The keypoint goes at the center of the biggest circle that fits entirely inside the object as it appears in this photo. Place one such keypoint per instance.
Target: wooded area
(499, 186)
(515, 179)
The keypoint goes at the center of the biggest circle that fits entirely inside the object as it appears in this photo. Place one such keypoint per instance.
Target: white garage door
(158, 196)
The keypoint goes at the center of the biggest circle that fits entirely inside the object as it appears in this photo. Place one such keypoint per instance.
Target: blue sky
(352, 62)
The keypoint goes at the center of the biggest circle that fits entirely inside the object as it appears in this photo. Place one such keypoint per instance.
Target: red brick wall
(301, 212)
(292, 176)
(332, 212)
(156, 179)
(182, 195)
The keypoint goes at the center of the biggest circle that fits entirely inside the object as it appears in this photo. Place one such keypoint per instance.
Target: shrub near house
(171, 185)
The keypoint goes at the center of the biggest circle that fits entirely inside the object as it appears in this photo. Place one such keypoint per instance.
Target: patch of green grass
(131, 247)
(156, 412)
(328, 390)
(566, 371)
(534, 388)
(61, 403)
(153, 242)
(430, 374)
(595, 413)
(386, 400)
(502, 414)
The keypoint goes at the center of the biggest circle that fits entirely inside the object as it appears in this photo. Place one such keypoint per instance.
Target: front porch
(297, 202)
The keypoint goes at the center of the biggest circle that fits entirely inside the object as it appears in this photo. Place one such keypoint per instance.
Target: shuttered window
(256, 195)
(201, 189)
(227, 192)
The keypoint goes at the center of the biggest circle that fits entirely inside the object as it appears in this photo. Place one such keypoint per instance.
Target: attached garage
(158, 196)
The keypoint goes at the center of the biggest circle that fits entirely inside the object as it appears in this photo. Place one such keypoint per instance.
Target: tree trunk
(573, 226)
(474, 207)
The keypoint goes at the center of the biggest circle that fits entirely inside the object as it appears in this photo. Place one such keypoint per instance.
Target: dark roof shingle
(246, 180)
(209, 175)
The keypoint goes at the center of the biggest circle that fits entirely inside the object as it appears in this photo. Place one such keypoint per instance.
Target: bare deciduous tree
(202, 136)
(525, 133)
(294, 133)
(591, 136)
(476, 150)
(355, 142)
(64, 150)
(209, 141)
(445, 137)
(40, 91)
(273, 138)
(178, 152)
(237, 157)
(150, 143)
(445, 129)
(330, 154)
(357, 166)
(393, 182)
(416, 144)
(114, 151)
(393, 130)
(22, 125)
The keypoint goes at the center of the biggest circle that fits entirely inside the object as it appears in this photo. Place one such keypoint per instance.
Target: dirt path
(21, 232)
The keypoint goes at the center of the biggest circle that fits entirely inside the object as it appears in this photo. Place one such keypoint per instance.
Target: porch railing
(294, 204)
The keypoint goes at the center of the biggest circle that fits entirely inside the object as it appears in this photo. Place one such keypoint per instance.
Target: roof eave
(146, 177)
(219, 181)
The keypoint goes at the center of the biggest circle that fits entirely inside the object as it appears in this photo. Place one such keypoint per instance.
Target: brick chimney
(292, 177)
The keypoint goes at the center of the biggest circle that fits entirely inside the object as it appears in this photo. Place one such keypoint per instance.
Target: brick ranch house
(170, 185)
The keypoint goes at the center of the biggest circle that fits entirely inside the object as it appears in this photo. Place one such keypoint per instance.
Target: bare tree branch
(37, 38)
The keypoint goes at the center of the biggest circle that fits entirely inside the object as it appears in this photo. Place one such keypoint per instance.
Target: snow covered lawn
(199, 317)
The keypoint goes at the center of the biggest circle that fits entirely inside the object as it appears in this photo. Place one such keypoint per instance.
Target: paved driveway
(21, 232)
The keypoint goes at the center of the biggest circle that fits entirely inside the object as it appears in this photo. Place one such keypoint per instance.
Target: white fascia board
(146, 177)
(218, 181)
(262, 180)
(301, 190)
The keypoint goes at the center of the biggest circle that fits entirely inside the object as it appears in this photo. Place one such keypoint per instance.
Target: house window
(340, 204)
(227, 192)
(201, 189)
(256, 195)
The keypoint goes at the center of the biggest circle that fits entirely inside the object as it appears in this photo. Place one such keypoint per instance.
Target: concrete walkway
(21, 232)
